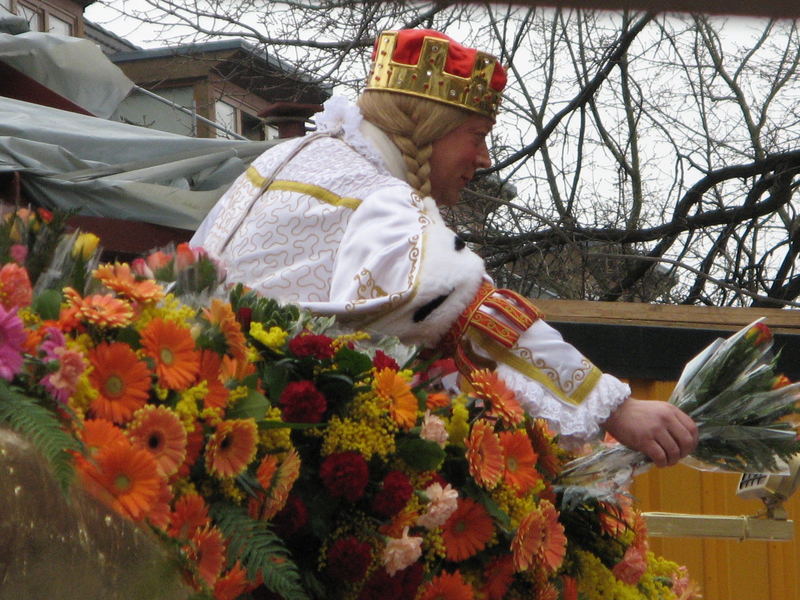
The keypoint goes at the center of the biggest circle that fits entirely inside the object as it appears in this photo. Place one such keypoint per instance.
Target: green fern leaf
(259, 550)
(42, 427)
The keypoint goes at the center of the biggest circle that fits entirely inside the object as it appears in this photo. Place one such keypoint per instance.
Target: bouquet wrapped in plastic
(740, 404)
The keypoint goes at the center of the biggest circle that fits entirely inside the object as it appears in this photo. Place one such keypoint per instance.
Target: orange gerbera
(520, 461)
(539, 539)
(102, 310)
(122, 380)
(542, 442)
(437, 400)
(287, 473)
(124, 476)
(447, 586)
(485, 454)
(231, 447)
(221, 314)
(207, 549)
(396, 392)
(502, 401)
(100, 433)
(467, 531)
(159, 430)
(210, 365)
(189, 515)
(159, 515)
(616, 517)
(233, 584)
(172, 348)
(120, 278)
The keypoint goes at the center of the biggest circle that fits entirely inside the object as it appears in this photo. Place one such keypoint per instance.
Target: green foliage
(42, 427)
(420, 454)
(263, 310)
(259, 550)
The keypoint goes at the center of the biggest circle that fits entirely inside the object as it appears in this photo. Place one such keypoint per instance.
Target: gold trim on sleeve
(503, 355)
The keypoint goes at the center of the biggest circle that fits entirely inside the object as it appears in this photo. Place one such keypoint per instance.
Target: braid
(413, 124)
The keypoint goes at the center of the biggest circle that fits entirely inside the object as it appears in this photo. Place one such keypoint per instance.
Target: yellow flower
(369, 438)
(85, 245)
(273, 339)
(458, 427)
(278, 439)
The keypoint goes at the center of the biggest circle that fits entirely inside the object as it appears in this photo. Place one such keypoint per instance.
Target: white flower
(433, 429)
(401, 552)
(443, 501)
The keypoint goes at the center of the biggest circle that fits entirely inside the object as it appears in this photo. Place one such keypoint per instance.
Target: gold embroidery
(367, 288)
(314, 191)
(574, 394)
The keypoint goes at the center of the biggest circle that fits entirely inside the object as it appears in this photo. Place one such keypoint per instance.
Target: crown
(444, 71)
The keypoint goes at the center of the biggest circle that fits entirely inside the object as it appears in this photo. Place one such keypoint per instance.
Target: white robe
(339, 231)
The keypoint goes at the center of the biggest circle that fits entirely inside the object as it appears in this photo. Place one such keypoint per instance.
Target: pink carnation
(401, 552)
(12, 339)
(433, 429)
(632, 566)
(15, 286)
(442, 502)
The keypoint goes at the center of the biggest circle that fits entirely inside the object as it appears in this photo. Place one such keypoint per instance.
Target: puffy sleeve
(452, 305)
(550, 377)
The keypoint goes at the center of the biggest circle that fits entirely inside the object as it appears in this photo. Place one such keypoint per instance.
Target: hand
(658, 429)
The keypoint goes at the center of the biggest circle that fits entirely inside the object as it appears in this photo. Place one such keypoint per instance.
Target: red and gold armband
(510, 315)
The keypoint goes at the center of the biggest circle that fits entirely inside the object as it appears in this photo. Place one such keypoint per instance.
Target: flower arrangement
(742, 406)
(278, 457)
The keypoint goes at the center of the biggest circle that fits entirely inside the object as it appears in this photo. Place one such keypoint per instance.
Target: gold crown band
(428, 79)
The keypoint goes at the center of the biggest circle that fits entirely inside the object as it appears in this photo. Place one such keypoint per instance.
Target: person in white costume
(345, 222)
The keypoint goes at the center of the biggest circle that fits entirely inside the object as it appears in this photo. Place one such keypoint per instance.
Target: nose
(482, 160)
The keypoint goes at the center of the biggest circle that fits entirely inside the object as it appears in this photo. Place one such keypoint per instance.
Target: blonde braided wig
(413, 124)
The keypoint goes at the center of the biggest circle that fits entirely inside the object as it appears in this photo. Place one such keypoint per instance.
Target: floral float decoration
(279, 457)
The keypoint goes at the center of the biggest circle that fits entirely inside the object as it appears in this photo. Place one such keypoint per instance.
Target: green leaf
(276, 376)
(25, 416)
(259, 550)
(252, 406)
(353, 363)
(47, 304)
(420, 454)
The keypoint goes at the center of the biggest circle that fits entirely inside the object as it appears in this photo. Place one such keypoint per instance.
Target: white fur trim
(444, 271)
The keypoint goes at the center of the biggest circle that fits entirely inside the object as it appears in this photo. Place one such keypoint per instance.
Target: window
(226, 117)
(32, 15)
(58, 25)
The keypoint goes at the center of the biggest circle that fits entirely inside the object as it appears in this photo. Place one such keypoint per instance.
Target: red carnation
(244, 316)
(382, 361)
(291, 518)
(395, 493)
(345, 475)
(309, 344)
(302, 402)
(382, 586)
(348, 559)
(403, 585)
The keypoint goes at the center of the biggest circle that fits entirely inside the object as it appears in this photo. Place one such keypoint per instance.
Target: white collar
(340, 117)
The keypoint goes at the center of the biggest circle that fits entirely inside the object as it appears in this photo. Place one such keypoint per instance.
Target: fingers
(658, 429)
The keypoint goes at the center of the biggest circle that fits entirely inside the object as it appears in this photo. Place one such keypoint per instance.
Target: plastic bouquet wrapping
(743, 409)
(274, 456)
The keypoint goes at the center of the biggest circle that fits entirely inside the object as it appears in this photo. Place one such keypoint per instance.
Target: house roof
(247, 65)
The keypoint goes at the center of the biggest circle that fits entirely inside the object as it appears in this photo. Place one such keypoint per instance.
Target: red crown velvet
(429, 64)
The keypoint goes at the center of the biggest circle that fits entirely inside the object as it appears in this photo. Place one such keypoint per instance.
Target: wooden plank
(773, 8)
(666, 315)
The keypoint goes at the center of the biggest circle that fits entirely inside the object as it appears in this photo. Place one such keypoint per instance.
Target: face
(456, 156)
